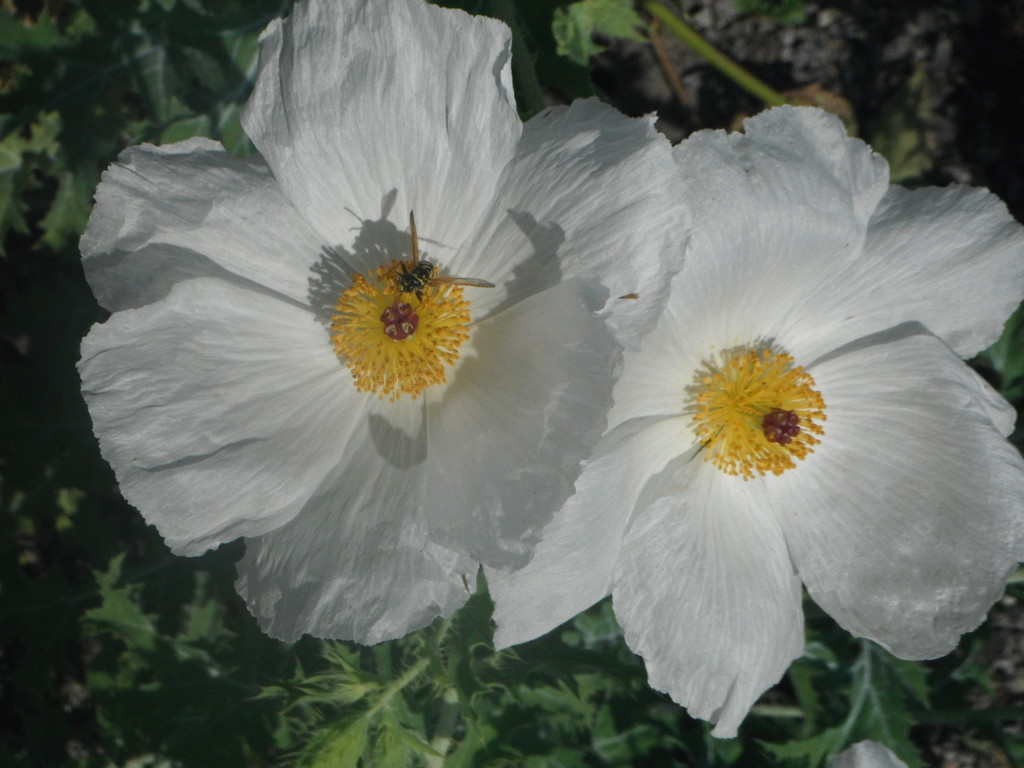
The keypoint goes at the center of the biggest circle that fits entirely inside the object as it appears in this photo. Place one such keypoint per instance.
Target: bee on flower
(281, 364)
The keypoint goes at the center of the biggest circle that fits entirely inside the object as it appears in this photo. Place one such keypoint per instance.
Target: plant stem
(712, 55)
(666, 65)
(447, 717)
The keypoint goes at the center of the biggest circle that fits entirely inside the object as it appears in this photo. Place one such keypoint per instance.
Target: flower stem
(712, 55)
(447, 717)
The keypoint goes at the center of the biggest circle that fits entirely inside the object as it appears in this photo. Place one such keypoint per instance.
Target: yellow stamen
(393, 366)
(730, 403)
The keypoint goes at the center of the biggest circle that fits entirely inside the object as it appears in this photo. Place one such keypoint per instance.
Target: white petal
(357, 98)
(220, 410)
(706, 593)
(655, 377)
(819, 140)
(524, 409)
(573, 564)
(867, 754)
(781, 203)
(357, 563)
(172, 213)
(952, 259)
(584, 197)
(777, 214)
(783, 216)
(908, 518)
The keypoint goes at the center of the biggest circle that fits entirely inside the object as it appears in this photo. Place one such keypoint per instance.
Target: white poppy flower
(279, 366)
(800, 413)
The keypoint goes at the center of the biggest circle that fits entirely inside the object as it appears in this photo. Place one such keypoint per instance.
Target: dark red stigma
(399, 320)
(781, 426)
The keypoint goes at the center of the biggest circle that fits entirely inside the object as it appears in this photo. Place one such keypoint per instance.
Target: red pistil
(399, 320)
(781, 426)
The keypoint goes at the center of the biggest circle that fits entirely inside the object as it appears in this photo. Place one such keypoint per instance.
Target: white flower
(867, 754)
(245, 384)
(800, 413)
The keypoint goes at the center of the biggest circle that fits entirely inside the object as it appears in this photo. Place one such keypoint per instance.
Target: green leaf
(24, 154)
(884, 690)
(574, 27)
(339, 745)
(119, 613)
(899, 133)
(69, 212)
(396, 746)
(155, 75)
(18, 37)
(813, 750)
(882, 695)
(1006, 357)
(204, 618)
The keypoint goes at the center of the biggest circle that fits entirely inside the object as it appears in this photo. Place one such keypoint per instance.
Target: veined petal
(952, 259)
(794, 192)
(906, 521)
(655, 377)
(775, 221)
(357, 563)
(182, 211)
(220, 410)
(580, 199)
(356, 98)
(572, 566)
(707, 595)
(784, 211)
(819, 140)
(522, 412)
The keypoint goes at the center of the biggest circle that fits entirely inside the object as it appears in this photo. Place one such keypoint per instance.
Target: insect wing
(415, 240)
(471, 281)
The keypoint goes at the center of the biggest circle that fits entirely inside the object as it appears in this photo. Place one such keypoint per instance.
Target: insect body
(415, 277)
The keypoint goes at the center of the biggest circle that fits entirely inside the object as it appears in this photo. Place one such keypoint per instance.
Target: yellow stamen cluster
(730, 402)
(388, 366)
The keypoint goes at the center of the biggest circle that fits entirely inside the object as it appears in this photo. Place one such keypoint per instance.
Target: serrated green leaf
(23, 156)
(69, 212)
(574, 27)
(396, 746)
(204, 617)
(813, 750)
(883, 689)
(339, 745)
(807, 696)
(119, 613)
(17, 36)
(478, 733)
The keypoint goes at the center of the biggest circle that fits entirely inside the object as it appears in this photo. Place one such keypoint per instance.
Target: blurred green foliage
(782, 11)
(576, 25)
(113, 652)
